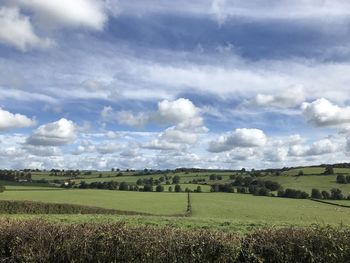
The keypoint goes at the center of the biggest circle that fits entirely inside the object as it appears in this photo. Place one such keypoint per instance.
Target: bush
(316, 194)
(199, 189)
(326, 195)
(160, 188)
(178, 188)
(336, 194)
(341, 179)
(2, 188)
(176, 179)
(148, 188)
(40, 241)
(124, 186)
(329, 170)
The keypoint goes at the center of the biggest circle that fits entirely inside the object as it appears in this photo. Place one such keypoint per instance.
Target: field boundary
(189, 205)
(31, 207)
(329, 203)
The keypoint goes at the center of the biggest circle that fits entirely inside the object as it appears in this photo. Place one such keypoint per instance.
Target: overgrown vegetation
(39, 241)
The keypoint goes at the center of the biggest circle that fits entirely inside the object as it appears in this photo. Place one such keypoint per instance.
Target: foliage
(39, 241)
(27, 207)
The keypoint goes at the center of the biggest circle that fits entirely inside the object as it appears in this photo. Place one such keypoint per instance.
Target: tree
(336, 194)
(199, 189)
(347, 179)
(2, 188)
(139, 181)
(326, 195)
(329, 170)
(178, 188)
(170, 189)
(124, 186)
(176, 179)
(301, 173)
(148, 188)
(160, 188)
(341, 179)
(316, 194)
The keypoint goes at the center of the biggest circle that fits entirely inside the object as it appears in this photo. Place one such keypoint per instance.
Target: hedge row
(39, 241)
(29, 207)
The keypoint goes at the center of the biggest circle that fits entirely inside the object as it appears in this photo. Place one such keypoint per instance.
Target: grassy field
(306, 183)
(209, 209)
(266, 210)
(154, 203)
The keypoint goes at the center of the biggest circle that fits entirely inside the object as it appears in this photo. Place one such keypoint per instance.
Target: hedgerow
(29, 207)
(41, 241)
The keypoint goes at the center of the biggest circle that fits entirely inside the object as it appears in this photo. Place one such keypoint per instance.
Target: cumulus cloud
(56, 133)
(9, 120)
(78, 13)
(321, 147)
(131, 119)
(16, 30)
(42, 150)
(238, 138)
(322, 113)
(289, 98)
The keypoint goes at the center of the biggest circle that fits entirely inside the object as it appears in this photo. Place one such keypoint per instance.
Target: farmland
(208, 209)
(176, 203)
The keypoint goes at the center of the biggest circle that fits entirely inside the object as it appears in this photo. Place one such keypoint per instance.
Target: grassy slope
(155, 203)
(254, 209)
(307, 182)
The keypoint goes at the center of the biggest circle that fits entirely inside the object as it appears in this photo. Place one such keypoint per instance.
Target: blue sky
(101, 84)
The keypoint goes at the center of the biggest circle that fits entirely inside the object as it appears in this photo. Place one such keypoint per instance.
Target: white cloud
(181, 111)
(288, 98)
(43, 151)
(56, 133)
(322, 113)
(321, 147)
(16, 30)
(9, 120)
(130, 119)
(238, 138)
(78, 13)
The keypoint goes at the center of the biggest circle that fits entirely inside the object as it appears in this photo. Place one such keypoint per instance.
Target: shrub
(148, 188)
(124, 186)
(176, 179)
(2, 188)
(199, 189)
(40, 241)
(160, 188)
(329, 170)
(341, 179)
(170, 189)
(325, 195)
(336, 194)
(315, 193)
(178, 188)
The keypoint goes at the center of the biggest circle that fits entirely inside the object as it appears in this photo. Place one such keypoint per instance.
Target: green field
(307, 182)
(209, 210)
(154, 203)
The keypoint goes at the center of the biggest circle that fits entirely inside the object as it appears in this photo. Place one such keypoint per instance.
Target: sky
(158, 84)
